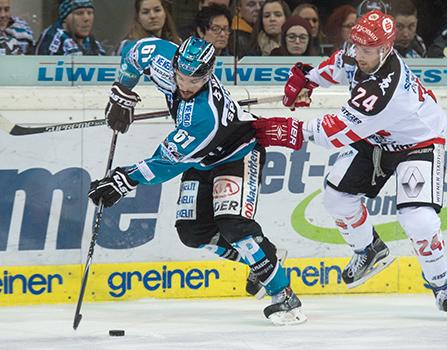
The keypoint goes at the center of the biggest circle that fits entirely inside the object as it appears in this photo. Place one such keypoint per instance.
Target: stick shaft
(18, 130)
(91, 250)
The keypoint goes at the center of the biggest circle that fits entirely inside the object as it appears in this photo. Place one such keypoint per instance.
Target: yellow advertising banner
(23, 285)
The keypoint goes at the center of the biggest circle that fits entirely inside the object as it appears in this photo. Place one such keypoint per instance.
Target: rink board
(22, 285)
(46, 219)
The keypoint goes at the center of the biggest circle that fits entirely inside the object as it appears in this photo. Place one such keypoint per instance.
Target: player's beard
(186, 95)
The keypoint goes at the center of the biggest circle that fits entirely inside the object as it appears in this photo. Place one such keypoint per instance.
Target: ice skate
(441, 297)
(254, 286)
(367, 263)
(285, 309)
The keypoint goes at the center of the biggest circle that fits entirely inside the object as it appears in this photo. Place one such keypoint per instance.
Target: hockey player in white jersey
(213, 146)
(391, 124)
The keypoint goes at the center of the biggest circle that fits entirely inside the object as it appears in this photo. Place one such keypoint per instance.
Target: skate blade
(261, 293)
(378, 267)
(288, 318)
(281, 255)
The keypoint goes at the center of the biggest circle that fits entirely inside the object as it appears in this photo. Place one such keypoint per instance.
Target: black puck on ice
(116, 332)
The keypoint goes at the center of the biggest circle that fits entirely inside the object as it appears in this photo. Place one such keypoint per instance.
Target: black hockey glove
(119, 110)
(111, 188)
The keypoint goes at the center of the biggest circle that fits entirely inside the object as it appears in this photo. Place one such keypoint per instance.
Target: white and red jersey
(390, 108)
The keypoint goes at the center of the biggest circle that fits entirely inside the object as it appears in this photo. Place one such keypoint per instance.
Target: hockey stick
(98, 217)
(17, 130)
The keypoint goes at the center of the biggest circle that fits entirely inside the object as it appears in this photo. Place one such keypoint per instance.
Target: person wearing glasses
(213, 24)
(338, 28)
(296, 38)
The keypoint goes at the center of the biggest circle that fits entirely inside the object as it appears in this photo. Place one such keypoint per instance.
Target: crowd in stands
(236, 28)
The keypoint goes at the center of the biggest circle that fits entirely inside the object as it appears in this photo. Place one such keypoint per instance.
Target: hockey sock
(260, 254)
(422, 225)
(356, 229)
(219, 246)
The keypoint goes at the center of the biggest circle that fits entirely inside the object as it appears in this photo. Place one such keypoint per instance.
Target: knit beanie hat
(68, 6)
(295, 21)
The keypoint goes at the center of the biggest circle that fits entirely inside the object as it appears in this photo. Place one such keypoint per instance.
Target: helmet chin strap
(382, 58)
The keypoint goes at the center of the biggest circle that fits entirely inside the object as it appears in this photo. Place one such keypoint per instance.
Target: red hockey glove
(298, 88)
(286, 132)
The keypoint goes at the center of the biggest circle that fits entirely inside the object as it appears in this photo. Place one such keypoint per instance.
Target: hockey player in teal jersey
(214, 147)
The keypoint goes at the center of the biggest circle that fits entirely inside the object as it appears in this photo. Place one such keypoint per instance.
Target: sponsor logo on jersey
(227, 195)
(412, 182)
(169, 151)
(160, 69)
(385, 84)
(216, 90)
(251, 184)
(349, 116)
(224, 187)
(187, 202)
(185, 110)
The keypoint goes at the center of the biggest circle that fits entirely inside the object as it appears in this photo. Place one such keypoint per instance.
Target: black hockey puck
(116, 332)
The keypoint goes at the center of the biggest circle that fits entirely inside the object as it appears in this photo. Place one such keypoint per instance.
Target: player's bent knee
(235, 228)
(419, 222)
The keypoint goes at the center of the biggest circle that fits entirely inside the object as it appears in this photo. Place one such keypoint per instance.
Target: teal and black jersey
(210, 129)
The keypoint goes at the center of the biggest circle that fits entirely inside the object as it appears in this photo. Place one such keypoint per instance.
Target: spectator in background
(189, 30)
(213, 24)
(247, 12)
(205, 3)
(408, 43)
(338, 27)
(72, 33)
(438, 49)
(16, 37)
(310, 13)
(267, 31)
(296, 38)
(152, 19)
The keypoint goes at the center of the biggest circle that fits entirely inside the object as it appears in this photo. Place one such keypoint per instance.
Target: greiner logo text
(122, 282)
(33, 284)
(316, 275)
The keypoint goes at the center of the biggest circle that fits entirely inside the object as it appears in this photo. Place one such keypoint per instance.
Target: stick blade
(6, 125)
(76, 321)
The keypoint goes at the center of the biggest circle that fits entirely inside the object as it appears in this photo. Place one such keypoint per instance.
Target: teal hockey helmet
(195, 57)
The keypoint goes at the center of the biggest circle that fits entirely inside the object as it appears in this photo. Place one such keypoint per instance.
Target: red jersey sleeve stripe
(326, 76)
(337, 143)
(353, 136)
(329, 61)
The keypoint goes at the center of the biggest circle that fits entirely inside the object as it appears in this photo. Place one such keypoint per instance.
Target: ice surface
(380, 322)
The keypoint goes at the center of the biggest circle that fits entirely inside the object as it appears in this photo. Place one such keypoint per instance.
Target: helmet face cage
(370, 5)
(195, 58)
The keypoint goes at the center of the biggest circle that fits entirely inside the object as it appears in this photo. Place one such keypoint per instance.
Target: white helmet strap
(382, 57)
